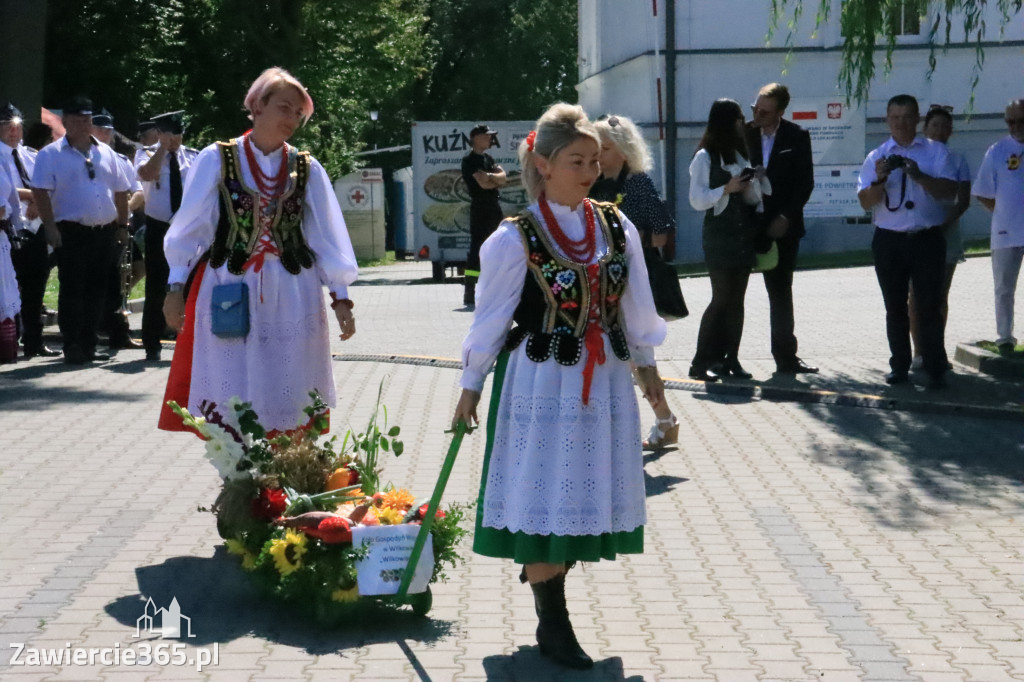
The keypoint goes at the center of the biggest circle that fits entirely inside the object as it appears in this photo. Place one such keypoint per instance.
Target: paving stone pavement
(787, 539)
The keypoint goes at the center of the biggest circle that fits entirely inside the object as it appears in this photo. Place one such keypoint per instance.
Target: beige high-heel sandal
(665, 432)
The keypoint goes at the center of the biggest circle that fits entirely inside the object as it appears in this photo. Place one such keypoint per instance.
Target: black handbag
(668, 295)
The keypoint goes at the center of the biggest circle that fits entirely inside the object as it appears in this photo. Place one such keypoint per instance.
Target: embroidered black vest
(238, 229)
(553, 310)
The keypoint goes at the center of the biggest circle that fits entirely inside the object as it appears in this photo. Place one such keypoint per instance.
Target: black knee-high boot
(555, 636)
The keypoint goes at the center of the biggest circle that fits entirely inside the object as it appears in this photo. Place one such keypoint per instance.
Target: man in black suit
(784, 149)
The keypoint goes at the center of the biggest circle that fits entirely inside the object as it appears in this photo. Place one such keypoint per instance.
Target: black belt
(82, 226)
(911, 233)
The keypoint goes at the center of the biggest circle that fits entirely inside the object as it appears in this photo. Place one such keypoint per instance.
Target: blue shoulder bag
(231, 310)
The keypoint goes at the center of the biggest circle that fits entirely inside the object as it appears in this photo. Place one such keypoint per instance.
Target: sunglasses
(90, 169)
(612, 121)
(941, 107)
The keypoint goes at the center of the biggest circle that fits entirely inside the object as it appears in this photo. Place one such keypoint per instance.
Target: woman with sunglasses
(728, 190)
(625, 161)
(257, 212)
(938, 126)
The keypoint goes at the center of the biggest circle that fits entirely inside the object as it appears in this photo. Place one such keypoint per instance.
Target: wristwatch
(175, 288)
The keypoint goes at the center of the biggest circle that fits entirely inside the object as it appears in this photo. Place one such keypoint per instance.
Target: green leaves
(865, 22)
(370, 442)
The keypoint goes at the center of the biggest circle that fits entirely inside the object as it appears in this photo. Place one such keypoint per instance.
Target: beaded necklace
(268, 186)
(579, 250)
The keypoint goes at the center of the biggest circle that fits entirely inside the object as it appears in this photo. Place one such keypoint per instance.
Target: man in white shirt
(901, 183)
(1000, 188)
(163, 169)
(31, 259)
(81, 192)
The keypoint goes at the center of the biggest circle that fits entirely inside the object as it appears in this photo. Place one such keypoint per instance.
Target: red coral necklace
(268, 186)
(579, 250)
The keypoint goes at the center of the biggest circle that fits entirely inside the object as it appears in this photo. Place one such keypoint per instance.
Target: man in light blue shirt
(81, 191)
(902, 182)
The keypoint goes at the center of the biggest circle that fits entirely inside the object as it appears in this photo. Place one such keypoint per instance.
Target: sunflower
(237, 547)
(288, 551)
(346, 596)
(398, 498)
(390, 517)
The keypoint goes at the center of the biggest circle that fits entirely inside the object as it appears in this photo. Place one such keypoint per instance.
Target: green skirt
(526, 548)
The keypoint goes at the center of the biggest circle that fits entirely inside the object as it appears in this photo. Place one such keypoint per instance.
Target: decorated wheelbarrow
(310, 520)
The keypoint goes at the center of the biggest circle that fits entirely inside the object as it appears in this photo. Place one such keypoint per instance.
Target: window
(904, 19)
(901, 17)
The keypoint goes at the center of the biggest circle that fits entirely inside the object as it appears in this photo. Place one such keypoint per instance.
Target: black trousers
(484, 219)
(157, 271)
(721, 326)
(902, 258)
(778, 282)
(116, 319)
(84, 261)
(32, 266)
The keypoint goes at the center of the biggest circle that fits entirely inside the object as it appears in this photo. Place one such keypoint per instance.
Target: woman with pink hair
(258, 235)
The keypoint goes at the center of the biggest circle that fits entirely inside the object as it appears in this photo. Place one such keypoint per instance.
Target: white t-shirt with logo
(1001, 177)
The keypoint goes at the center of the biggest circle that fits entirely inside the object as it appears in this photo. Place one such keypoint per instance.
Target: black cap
(170, 122)
(9, 112)
(104, 119)
(78, 105)
(482, 129)
(146, 126)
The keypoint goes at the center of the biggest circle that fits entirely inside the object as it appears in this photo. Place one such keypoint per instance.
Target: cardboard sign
(381, 571)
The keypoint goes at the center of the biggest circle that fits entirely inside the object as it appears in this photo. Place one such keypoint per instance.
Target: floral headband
(530, 139)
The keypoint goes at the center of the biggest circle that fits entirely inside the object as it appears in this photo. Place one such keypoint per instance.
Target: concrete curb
(754, 391)
(1013, 412)
(979, 359)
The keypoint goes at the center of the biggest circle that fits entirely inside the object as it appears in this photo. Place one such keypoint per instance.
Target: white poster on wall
(837, 129)
(835, 193)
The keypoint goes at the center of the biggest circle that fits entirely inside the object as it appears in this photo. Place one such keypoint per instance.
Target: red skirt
(179, 382)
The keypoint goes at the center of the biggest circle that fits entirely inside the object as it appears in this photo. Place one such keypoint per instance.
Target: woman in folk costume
(256, 211)
(10, 299)
(563, 477)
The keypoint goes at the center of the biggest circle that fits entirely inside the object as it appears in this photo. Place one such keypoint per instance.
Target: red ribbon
(264, 246)
(592, 340)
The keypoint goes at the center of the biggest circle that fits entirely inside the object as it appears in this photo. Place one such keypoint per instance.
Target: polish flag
(805, 115)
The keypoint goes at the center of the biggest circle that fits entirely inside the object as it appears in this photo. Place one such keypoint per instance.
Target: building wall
(721, 52)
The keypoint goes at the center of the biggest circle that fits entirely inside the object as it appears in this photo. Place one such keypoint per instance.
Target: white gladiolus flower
(225, 453)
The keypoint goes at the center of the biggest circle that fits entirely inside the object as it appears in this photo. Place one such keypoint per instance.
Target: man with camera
(901, 183)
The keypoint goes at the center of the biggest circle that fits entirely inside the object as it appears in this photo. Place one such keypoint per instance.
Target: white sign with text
(836, 129)
(381, 570)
